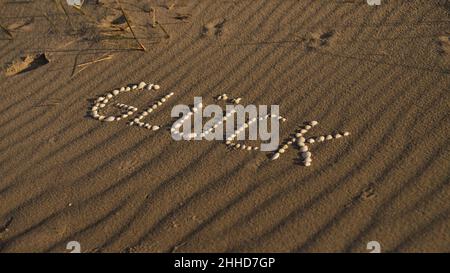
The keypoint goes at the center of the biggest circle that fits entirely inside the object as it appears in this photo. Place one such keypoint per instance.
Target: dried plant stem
(129, 25)
(153, 14)
(6, 31)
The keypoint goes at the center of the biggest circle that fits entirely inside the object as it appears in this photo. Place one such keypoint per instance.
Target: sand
(381, 73)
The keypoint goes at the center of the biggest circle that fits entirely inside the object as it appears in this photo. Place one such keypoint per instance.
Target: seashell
(219, 97)
(130, 113)
(298, 135)
(337, 136)
(131, 123)
(102, 105)
(314, 123)
(100, 98)
(243, 147)
(289, 143)
(283, 119)
(159, 103)
(163, 100)
(328, 137)
(249, 148)
(320, 139)
(105, 101)
(281, 151)
(238, 145)
(142, 85)
(311, 140)
(124, 116)
(275, 156)
(307, 164)
(128, 89)
(303, 131)
(300, 143)
(115, 92)
(156, 87)
(149, 87)
(109, 95)
(94, 108)
(122, 89)
(301, 139)
(346, 133)
(304, 149)
(227, 142)
(285, 146)
(110, 118)
(101, 117)
(305, 155)
(308, 127)
(255, 148)
(148, 126)
(134, 87)
(154, 106)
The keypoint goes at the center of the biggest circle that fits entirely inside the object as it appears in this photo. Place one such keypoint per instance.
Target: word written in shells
(300, 140)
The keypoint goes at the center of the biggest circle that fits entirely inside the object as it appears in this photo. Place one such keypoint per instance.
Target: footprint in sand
(27, 63)
(214, 28)
(320, 39)
(444, 44)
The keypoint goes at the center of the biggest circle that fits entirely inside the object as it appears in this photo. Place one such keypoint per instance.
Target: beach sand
(381, 73)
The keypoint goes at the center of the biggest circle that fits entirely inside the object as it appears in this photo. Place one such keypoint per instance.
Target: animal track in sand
(320, 39)
(214, 28)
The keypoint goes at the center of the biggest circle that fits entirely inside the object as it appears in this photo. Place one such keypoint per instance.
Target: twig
(6, 31)
(129, 25)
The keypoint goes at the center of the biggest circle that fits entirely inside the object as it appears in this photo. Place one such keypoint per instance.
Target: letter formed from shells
(303, 143)
(102, 101)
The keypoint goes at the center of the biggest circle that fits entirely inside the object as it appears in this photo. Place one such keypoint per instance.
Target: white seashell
(122, 89)
(303, 131)
(289, 143)
(115, 92)
(281, 151)
(94, 108)
(128, 89)
(314, 123)
(255, 148)
(105, 101)
(298, 134)
(300, 143)
(249, 148)
(346, 133)
(275, 156)
(109, 95)
(134, 87)
(307, 164)
(301, 139)
(102, 105)
(149, 87)
(228, 142)
(337, 136)
(329, 137)
(311, 140)
(101, 117)
(100, 98)
(283, 119)
(308, 127)
(320, 139)
(124, 116)
(141, 85)
(110, 118)
(243, 147)
(238, 145)
(304, 149)
(163, 100)
(155, 106)
(156, 87)
(219, 97)
(306, 155)
(285, 146)
(159, 103)
(171, 94)
(131, 123)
